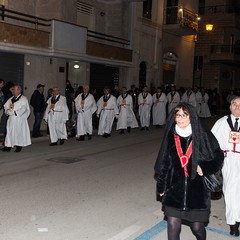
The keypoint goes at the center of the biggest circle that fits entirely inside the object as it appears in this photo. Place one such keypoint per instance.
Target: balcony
(180, 21)
(226, 54)
(23, 33)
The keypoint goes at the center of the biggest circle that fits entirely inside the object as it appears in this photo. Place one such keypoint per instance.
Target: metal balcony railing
(182, 16)
(36, 22)
(22, 17)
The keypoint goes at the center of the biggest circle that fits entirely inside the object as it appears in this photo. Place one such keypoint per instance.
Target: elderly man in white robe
(17, 109)
(127, 119)
(159, 108)
(173, 98)
(226, 130)
(107, 110)
(85, 107)
(56, 115)
(145, 104)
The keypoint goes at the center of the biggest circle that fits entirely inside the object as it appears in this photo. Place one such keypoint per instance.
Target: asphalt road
(101, 189)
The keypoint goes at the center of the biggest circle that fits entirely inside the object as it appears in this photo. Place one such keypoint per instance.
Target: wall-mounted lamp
(209, 27)
(76, 66)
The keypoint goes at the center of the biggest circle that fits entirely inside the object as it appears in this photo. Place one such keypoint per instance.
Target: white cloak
(204, 110)
(85, 110)
(159, 109)
(145, 109)
(173, 101)
(189, 99)
(18, 133)
(126, 115)
(57, 118)
(230, 170)
(199, 101)
(106, 113)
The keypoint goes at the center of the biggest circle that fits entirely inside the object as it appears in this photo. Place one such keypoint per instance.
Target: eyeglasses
(183, 116)
(234, 104)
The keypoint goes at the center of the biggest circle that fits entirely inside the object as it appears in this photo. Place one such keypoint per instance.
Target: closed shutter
(12, 67)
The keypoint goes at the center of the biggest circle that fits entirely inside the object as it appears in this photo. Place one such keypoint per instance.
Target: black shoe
(6, 149)
(108, 134)
(105, 135)
(158, 126)
(62, 141)
(121, 132)
(234, 229)
(81, 138)
(18, 149)
(89, 136)
(53, 144)
(147, 128)
(142, 129)
(128, 129)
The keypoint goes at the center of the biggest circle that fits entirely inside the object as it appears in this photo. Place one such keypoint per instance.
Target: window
(201, 7)
(147, 9)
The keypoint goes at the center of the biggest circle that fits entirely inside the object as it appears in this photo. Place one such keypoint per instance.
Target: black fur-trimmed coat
(180, 192)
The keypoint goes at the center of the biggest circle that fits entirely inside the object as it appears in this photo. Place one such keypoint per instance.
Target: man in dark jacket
(39, 105)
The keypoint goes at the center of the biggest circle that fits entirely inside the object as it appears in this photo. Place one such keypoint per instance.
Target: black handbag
(214, 182)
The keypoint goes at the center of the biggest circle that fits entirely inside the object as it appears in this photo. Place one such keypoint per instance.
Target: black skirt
(189, 216)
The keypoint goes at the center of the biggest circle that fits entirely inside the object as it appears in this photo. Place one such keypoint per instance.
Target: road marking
(126, 233)
(152, 232)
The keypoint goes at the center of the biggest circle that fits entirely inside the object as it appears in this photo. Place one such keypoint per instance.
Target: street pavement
(101, 189)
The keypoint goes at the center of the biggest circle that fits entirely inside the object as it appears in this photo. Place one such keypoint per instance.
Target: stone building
(99, 42)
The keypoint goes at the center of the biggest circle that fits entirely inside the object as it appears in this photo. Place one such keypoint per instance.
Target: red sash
(184, 159)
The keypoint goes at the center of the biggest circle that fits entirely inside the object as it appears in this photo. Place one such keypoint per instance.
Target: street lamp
(209, 27)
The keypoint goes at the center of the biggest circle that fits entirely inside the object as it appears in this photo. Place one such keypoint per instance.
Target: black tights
(174, 229)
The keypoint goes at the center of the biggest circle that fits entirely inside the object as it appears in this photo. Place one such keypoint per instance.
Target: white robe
(145, 109)
(189, 99)
(199, 101)
(230, 170)
(57, 118)
(85, 110)
(159, 109)
(18, 133)
(205, 112)
(107, 114)
(173, 101)
(126, 115)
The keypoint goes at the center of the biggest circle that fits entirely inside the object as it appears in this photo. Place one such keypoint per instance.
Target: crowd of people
(78, 112)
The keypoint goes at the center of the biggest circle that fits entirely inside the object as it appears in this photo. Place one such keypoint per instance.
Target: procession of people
(181, 113)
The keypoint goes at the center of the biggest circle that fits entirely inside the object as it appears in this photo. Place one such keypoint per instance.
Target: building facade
(97, 42)
(217, 54)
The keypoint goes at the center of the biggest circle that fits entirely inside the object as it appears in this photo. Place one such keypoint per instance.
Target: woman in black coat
(188, 151)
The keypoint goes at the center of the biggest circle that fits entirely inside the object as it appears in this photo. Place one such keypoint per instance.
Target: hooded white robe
(18, 133)
(107, 112)
(199, 101)
(126, 115)
(191, 99)
(145, 109)
(173, 101)
(57, 119)
(230, 170)
(159, 109)
(205, 112)
(85, 109)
